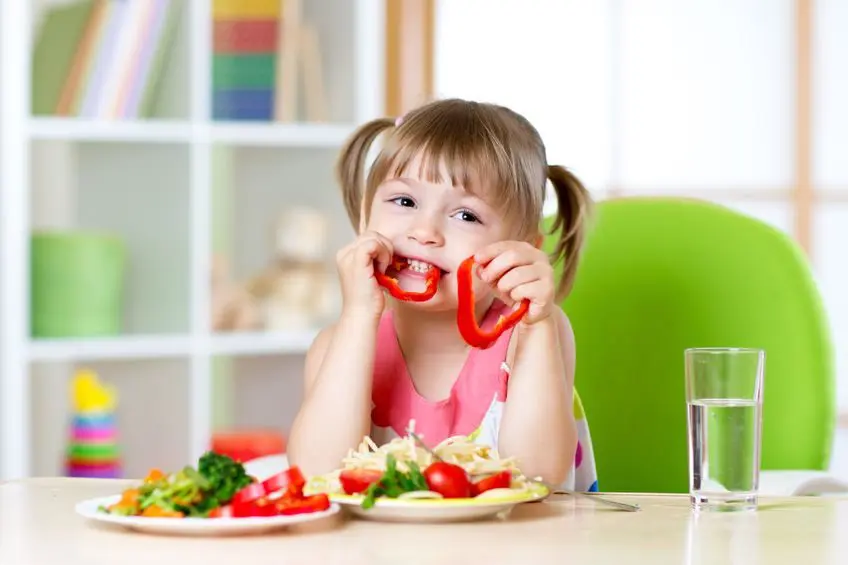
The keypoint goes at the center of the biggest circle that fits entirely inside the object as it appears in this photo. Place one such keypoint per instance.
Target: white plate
(437, 510)
(88, 509)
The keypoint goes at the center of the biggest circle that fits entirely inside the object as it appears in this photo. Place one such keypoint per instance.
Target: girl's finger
(538, 292)
(489, 252)
(503, 262)
(517, 277)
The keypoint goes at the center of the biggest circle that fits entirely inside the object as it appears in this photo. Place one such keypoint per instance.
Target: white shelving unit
(153, 183)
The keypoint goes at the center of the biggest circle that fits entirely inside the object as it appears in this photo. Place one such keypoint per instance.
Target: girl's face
(434, 225)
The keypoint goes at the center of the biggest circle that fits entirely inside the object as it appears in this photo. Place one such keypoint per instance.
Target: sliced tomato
(355, 481)
(447, 479)
(251, 492)
(306, 505)
(502, 479)
(291, 480)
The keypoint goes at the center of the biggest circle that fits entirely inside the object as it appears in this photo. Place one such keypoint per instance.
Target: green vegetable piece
(225, 476)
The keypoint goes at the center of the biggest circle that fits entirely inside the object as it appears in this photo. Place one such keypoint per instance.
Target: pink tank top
(481, 384)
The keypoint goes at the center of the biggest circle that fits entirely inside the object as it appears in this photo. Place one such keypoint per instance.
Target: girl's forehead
(428, 170)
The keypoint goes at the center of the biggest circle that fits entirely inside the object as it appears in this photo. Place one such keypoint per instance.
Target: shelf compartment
(152, 421)
(137, 192)
(278, 219)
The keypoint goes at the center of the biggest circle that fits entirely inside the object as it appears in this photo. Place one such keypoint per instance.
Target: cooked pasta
(476, 459)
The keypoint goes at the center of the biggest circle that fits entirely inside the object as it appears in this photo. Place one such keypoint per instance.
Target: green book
(60, 34)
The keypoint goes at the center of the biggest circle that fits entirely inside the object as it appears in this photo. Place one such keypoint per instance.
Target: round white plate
(436, 510)
(88, 509)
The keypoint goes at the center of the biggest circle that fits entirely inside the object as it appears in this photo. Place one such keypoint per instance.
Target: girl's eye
(404, 201)
(467, 216)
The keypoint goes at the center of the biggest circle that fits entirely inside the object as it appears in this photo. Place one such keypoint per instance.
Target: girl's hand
(361, 294)
(518, 271)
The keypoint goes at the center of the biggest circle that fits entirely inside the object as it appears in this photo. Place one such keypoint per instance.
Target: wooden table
(39, 527)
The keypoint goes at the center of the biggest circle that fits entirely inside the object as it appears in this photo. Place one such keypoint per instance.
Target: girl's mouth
(412, 280)
(411, 267)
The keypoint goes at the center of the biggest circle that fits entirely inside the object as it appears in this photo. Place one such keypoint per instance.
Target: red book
(244, 36)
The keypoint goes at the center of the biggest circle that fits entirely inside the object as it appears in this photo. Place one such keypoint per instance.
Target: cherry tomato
(502, 479)
(451, 481)
(355, 481)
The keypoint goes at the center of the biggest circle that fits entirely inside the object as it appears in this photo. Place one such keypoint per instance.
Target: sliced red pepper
(251, 492)
(222, 512)
(261, 507)
(391, 283)
(502, 479)
(465, 315)
(307, 504)
(291, 480)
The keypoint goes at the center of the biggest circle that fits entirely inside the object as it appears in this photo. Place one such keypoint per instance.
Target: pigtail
(573, 206)
(350, 167)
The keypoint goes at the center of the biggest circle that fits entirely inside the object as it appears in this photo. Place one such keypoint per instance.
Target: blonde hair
(482, 146)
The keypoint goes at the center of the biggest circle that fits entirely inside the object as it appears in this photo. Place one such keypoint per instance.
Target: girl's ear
(538, 241)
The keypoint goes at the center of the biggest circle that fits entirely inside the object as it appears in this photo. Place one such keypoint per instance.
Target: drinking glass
(724, 400)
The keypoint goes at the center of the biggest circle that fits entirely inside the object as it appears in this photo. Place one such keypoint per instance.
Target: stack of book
(244, 61)
(102, 58)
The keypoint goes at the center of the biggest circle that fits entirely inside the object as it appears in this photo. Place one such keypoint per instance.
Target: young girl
(455, 179)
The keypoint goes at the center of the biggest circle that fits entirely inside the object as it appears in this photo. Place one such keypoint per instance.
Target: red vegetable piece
(502, 479)
(355, 481)
(391, 284)
(291, 480)
(251, 492)
(306, 505)
(451, 481)
(222, 512)
(465, 316)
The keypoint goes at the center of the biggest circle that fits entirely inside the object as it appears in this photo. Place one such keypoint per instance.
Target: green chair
(659, 275)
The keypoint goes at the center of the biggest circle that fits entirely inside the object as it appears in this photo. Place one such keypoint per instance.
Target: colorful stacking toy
(93, 450)
(244, 61)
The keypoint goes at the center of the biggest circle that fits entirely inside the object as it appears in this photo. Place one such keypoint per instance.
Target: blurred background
(170, 215)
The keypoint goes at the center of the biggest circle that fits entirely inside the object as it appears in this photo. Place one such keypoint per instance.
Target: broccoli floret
(226, 477)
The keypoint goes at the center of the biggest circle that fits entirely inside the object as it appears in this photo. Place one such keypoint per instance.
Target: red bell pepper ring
(250, 493)
(291, 481)
(391, 284)
(503, 479)
(305, 505)
(465, 315)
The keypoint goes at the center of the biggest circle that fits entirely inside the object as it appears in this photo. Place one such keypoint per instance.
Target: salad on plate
(456, 471)
(219, 487)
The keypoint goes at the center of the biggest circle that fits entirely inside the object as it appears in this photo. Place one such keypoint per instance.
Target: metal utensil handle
(601, 499)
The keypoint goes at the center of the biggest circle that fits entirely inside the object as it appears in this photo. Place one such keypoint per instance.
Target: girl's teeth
(419, 266)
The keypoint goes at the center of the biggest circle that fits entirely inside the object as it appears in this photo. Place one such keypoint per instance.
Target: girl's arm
(336, 411)
(538, 426)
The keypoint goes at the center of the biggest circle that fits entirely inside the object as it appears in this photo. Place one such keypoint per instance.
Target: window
(674, 97)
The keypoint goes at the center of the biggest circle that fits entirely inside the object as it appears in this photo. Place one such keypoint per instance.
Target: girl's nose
(426, 232)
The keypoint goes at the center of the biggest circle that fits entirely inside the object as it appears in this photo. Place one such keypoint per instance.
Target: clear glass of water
(724, 399)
